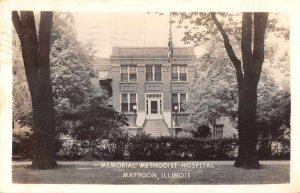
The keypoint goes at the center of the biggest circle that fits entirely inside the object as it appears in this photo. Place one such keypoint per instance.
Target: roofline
(152, 47)
(120, 58)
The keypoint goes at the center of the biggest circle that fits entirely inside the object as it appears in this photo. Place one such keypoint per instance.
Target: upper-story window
(128, 73)
(153, 73)
(179, 73)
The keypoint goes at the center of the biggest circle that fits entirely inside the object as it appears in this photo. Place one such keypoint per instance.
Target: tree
(274, 106)
(213, 94)
(247, 76)
(35, 52)
(80, 109)
(71, 69)
(94, 121)
(21, 95)
(247, 70)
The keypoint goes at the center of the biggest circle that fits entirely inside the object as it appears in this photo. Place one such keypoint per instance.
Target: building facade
(149, 89)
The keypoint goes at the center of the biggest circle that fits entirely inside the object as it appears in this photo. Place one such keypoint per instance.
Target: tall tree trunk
(36, 59)
(247, 126)
(247, 73)
(252, 64)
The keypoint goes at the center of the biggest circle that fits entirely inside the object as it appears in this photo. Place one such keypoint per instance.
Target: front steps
(156, 127)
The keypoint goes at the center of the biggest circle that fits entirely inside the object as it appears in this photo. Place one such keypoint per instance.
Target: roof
(151, 52)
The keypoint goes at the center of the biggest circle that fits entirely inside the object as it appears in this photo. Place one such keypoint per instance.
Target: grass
(223, 172)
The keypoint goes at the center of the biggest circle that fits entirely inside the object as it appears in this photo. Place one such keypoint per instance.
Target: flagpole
(170, 56)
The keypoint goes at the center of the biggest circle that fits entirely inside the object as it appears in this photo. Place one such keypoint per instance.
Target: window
(177, 100)
(149, 73)
(132, 102)
(219, 131)
(182, 100)
(179, 73)
(174, 73)
(174, 101)
(124, 73)
(124, 103)
(127, 102)
(157, 73)
(132, 73)
(153, 73)
(128, 73)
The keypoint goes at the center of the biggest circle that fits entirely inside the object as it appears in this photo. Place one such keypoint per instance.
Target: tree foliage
(251, 34)
(214, 92)
(94, 121)
(71, 69)
(73, 93)
(71, 63)
(21, 95)
(200, 27)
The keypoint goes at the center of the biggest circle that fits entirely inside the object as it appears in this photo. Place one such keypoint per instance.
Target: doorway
(153, 106)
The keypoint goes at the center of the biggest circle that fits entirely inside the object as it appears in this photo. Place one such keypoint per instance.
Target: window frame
(153, 71)
(178, 73)
(129, 110)
(128, 72)
(218, 131)
(179, 103)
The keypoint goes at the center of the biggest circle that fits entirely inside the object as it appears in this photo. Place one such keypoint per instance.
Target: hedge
(107, 149)
(168, 148)
(171, 149)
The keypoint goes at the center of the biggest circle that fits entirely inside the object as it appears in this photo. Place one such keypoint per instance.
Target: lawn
(204, 172)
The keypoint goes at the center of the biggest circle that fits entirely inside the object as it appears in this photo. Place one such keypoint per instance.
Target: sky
(138, 29)
(107, 30)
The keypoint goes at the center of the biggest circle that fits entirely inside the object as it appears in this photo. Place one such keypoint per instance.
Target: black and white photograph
(155, 97)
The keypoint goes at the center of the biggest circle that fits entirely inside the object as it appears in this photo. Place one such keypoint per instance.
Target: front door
(153, 108)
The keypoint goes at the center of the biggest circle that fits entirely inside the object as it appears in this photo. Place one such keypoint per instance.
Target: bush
(70, 150)
(270, 148)
(105, 149)
(168, 148)
(149, 148)
(112, 149)
(22, 142)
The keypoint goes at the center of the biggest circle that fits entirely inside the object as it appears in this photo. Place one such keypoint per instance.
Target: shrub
(272, 148)
(102, 149)
(149, 148)
(145, 147)
(22, 142)
(70, 150)
(168, 148)
(111, 149)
